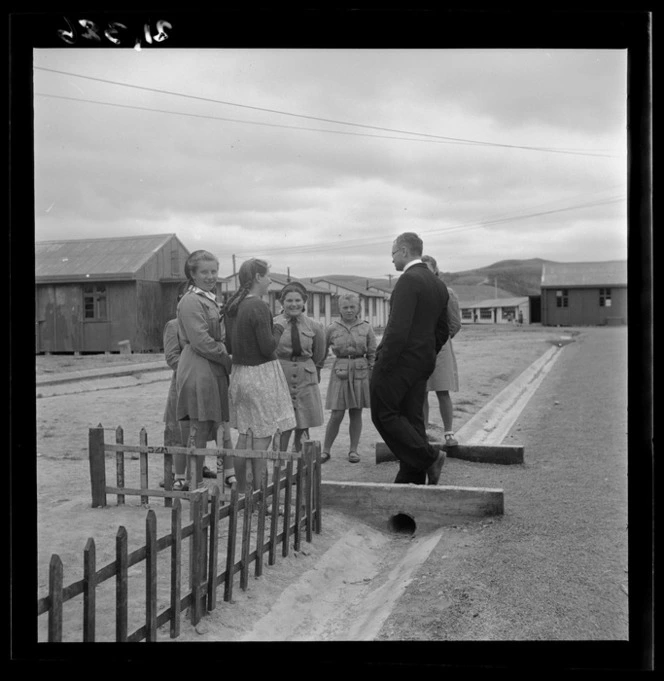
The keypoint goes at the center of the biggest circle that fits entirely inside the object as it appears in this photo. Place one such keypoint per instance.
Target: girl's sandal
(180, 485)
(353, 457)
(325, 457)
(230, 480)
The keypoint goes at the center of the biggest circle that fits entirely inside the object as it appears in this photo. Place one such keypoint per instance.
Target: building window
(175, 262)
(373, 307)
(321, 305)
(562, 297)
(334, 306)
(466, 313)
(485, 313)
(94, 302)
(605, 297)
(509, 313)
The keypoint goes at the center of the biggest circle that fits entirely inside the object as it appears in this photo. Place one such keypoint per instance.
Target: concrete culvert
(402, 523)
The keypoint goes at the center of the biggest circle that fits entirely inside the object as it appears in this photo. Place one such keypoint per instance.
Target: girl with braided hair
(204, 364)
(259, 398)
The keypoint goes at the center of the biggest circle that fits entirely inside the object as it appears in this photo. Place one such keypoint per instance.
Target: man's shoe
(433, 472)
(450, 440)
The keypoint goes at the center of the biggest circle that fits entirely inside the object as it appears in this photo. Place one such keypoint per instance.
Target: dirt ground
(554, 567)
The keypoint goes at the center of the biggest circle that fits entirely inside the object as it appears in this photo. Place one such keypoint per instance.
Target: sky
(316, 159)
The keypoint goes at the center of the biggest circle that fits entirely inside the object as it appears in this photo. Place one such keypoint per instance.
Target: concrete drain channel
(356, 583)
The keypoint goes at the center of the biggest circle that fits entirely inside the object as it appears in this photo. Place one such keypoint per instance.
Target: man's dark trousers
(397, 397)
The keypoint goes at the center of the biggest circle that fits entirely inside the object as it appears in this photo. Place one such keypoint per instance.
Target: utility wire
(236, 120)
(456, 140)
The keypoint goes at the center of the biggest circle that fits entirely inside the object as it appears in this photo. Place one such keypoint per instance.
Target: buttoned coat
(204, 366)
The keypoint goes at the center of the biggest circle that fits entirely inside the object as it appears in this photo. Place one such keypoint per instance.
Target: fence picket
(143, 440)
(317, 489)
(89, 593)
(214, 550)
(308, 462)
(151, 576)
(260, 528)
(121, 585)
(299, 481)
(97, 465)
(274, 519)
(230, 554)
(176, 567)
(287, 508)
(55, 600)
(168, 479)
(196, 563)
(119, 464)
(246, 531)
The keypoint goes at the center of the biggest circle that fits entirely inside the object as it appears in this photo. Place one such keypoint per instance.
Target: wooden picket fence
(207, 511)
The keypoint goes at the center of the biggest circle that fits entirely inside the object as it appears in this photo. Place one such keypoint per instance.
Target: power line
(237, 120)
(455, 140)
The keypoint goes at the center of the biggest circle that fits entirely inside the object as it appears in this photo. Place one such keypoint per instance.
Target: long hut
(94, 295)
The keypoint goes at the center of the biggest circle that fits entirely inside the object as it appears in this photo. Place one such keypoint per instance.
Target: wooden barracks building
(92, 294)
(584, 293)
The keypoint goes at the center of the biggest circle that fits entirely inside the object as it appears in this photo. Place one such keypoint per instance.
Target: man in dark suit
(405, 358)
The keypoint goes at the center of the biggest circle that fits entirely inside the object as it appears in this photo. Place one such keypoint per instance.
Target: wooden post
(246, 533)
(119, 464)
(214, 549)
(318, 496)
(143, 440)
(299, 484)
(151, 576)
(196, 562)
(89, 573)
(309, 466)
(248, 463)
(274, 518)
(230, 554)
(287, 507)
(260, 529)
(55, 600)
(97, 465)
(121, 585)
(168, 479)
(176, 567)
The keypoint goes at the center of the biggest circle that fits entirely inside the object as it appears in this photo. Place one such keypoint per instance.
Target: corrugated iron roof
(114, 256)
(496, 302)
(566, 274)
(278, 282)
(360, 290)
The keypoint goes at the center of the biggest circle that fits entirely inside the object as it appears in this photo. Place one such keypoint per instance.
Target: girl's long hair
(246, 277)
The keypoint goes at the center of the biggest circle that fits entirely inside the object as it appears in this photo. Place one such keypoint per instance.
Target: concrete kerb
(109, 372)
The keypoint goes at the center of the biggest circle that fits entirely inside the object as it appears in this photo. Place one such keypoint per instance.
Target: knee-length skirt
(349, 384)
(302, 381)
(260, 400)
(202, 388)
(445, 375)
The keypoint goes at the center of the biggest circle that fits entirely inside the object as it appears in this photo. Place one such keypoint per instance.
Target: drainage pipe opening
(402, 523)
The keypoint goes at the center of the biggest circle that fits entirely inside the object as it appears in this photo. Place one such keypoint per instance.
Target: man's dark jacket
(417, 326)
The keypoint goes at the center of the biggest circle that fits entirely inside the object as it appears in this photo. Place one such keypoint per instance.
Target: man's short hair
(411, 241)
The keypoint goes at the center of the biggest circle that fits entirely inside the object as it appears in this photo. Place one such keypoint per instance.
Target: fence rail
(207, 515)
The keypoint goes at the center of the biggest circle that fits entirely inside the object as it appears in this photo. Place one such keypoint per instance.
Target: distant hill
(503, 279)
(518, 277)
